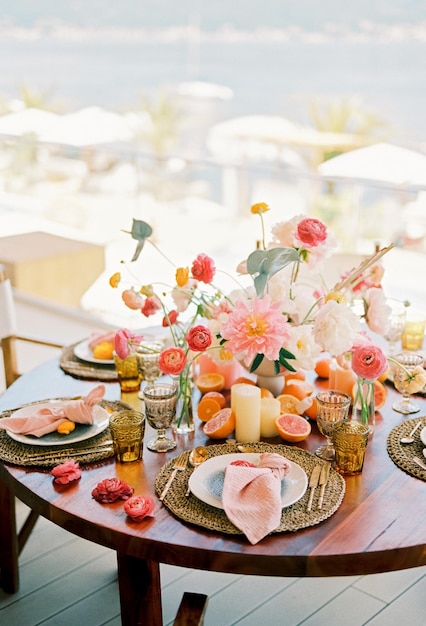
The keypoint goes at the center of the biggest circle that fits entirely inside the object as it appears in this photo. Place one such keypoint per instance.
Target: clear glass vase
(363, 407)
(184, 420)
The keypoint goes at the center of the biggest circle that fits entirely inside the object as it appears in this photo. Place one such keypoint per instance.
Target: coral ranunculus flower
(170, 319)
(172, 361)
(261, 329)
(203, 268)
(369, 361)
(311, 232)
(199, 338)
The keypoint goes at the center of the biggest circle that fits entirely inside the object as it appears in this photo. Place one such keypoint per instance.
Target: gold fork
(180, 464)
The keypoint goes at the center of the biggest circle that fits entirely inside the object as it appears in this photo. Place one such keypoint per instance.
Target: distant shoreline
(367, 32)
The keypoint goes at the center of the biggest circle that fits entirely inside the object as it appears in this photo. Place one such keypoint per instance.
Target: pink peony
(199, 338)
(369, 361)
(203, 268)
(311, 232)
(172, 361)
(124, 340)
(260, 330)
(110, 490)
(66, 472)
(139, 507)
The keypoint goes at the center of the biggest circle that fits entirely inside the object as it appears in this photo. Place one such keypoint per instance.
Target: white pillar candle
(245, 400)
(270, 409)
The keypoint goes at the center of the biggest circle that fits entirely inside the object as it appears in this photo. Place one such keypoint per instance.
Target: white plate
(206, 481)
(83, 352)
(81, 432)
(423, 435)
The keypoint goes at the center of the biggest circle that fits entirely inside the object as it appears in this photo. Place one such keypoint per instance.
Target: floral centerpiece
(285, 314)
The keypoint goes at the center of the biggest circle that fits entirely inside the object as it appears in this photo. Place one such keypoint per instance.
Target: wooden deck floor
(67, 581)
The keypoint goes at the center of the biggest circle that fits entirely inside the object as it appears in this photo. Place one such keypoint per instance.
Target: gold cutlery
(313, 484)
(179, 465)
(61, 452)
(419, 462)
(325, 472)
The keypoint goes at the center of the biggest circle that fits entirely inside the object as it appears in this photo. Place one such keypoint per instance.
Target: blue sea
(274, 77)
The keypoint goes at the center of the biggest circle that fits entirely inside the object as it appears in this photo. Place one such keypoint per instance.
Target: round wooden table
(379, 526)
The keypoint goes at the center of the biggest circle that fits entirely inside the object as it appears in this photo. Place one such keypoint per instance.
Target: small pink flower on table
(139, 507)
(66, 473)
(110, 490)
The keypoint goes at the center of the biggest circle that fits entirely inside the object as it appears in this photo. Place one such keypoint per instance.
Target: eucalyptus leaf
(263, 264)
(140, 231)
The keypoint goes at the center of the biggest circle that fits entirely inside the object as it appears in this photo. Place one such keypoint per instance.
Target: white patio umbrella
(26, 121)
(380, 162)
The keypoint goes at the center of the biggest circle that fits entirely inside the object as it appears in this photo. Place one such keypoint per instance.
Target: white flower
(336, 327)
(182, 295)
(304, 347)
(378, 311)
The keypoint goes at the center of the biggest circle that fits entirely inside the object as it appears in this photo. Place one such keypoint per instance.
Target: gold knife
(313, 484)
(325, 472)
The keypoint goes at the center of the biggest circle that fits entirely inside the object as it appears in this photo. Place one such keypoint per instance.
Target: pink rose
(124, 340)
(199, 338)
(151, 306)
(66, 472)
(311, 232)
(172, 361)
(369, 361)
(110, 490)
(203, 268)
(139, 507)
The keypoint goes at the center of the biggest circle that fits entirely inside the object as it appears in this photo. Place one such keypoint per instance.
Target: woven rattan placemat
(17, 453)
(93, 371)
(402, 454)
(192, 510)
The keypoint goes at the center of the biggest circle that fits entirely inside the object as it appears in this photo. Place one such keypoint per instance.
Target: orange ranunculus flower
(172, 361)
(182, 275)
(114, 281)
(260, 207)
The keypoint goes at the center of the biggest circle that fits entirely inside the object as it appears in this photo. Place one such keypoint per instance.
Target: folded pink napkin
(46, 420)
(251, 496)
(96, 338)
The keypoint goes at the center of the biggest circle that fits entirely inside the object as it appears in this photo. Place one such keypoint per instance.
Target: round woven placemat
(93, 371)
(402, 454)
(192, 510)
(17, 453)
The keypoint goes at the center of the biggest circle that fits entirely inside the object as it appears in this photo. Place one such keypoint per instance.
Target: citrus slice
(207, 407)
(322, 367)
(292, 427)
(216, 395)
(288, 403)
(213, 381)
(297, 375)
(380, 394)
(299, 388)
(220, 425)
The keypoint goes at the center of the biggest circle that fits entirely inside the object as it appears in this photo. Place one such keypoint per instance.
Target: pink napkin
(251, 496)
(47, 420)
(96, 338)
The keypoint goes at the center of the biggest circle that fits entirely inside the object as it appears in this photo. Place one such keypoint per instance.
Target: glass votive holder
(350, 443)
(414, 331)
(127, 429)
(128, 373)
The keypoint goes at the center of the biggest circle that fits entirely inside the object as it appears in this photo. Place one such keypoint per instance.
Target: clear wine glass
(147, 354)
(404, 365)
(332, 407)
(396, 323)
(160, 409)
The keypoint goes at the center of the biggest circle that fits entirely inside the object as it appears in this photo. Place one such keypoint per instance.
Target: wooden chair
(191, 610)
(15, 538)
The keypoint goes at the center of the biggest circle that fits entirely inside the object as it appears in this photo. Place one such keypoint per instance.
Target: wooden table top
(380, 525)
